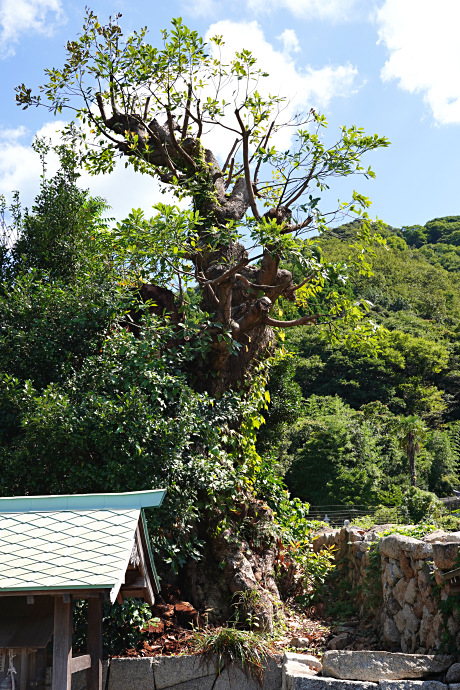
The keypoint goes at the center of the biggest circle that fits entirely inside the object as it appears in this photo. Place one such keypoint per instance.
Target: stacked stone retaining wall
(407, 612)
(187, 672)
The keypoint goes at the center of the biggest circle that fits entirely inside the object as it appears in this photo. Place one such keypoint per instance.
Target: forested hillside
(346, 422)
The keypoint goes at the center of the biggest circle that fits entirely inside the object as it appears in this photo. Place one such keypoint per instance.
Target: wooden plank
(94, 645)
(40, 669)
(452, 573)
(23, 671)
(131, 593)
(80, 663)
(134, 579)
(62, 646)
(149, 595)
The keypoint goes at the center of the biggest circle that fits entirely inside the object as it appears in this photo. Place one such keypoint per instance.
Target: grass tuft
(229, 646)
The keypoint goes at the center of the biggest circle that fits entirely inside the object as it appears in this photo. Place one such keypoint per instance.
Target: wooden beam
(142, 547)
(74, 593)
(134, 580)
(94, 645)
(130, 593)
(80, 663)
(62, 645)
(23, 672)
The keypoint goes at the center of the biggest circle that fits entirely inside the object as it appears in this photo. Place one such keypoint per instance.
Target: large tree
(154, 108)
(249, 213)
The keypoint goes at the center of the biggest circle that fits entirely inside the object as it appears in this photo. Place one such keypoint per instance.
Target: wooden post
(23, 676)
(62, 646)
(94, 644)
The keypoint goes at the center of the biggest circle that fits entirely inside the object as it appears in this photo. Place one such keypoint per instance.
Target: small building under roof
(53, 550)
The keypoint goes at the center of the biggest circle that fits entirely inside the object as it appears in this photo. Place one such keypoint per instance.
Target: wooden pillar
(23, 672)
(94, 644)
(62, 645)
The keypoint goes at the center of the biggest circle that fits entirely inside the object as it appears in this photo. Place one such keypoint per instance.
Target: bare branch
(176, 144)
(304, 281)
(268, 321)
(230, 155)
(146, 108)
(230, 174)
(187, 108)
(256, 286)
(247, 173)
(228, 274)
(263, 145)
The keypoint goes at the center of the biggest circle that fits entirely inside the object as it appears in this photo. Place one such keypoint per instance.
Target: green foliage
(123, 625)
(421, 506)
(332, 455)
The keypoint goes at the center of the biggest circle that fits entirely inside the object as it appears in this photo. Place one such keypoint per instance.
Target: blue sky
(390, 66)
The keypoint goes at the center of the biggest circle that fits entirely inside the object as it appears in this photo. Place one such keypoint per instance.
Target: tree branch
(268, 321)
(176, 144)
(187, 108)
(247, 173)
(230, 155)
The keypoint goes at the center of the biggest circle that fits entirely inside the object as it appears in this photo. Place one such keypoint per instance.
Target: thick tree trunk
(236, 576)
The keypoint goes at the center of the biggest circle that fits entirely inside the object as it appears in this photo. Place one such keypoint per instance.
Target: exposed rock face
(411, 685)
(453, 674)
(376, 666)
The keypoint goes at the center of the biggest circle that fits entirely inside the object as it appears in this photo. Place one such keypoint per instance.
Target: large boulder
(445, 555)
(376, 666)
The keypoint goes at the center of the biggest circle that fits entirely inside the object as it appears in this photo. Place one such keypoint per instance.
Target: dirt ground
(311, 631)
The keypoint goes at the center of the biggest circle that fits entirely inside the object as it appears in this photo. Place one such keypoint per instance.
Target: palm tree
(411, 432)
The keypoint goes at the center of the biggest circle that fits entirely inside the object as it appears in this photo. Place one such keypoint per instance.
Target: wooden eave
(141, 581)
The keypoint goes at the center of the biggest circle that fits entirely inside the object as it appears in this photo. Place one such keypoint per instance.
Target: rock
(376, 666)
(131, 673)
(291, 682)
(412, 622)
(297, 667)
(453, 674)
(79, 678)
(411, 685)
(426, 625)
(185, 613)
(411, 592)
(399, 592)
(300, 642)
(392, 545)
(172, 670)
(339, 641)
(396, 571)
(437, 535)
(404, 562)
(392, 606)
(444, 555)
(306, 659)
(390, 632)
(235, 678)
(442, 536)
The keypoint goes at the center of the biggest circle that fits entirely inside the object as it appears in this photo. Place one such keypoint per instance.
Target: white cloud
(327, 10)
(20, 169)
(303, 87)
(19, 17)
(290, 41)
(422, 39)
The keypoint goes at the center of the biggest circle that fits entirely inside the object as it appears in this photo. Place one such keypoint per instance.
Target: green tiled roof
(51, 544)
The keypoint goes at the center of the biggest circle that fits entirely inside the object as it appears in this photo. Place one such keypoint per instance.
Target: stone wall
(406, 613)
(186, 672)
